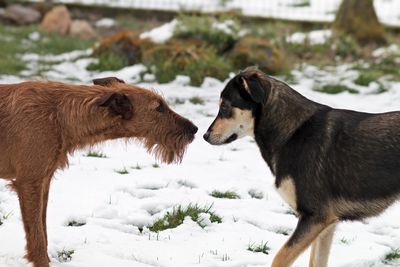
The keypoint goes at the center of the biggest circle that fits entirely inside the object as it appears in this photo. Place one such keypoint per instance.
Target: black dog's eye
(224, 109)
(160, 108)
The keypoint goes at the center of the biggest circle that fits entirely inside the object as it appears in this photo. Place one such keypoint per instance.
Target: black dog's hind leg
(321, 246)
(309, 227)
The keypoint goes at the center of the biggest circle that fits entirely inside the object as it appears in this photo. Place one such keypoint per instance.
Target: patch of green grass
(74, 223)
(335, 89)
(393, 255)
(226, 194)
(196, 100)
(262, 247)
(14, 41)
(175, 218)
(65, 255)
(368, 76)
(96, 154)
(107, 61)
(345, 45)
(182, 58)
(122, 171)
(205, 28)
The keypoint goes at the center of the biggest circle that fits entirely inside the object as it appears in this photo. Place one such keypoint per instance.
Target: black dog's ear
(107, 81)
(254, 87)
(118, 103)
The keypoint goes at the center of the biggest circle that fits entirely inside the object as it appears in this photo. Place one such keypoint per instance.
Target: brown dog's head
(146, 116)
(240, 100)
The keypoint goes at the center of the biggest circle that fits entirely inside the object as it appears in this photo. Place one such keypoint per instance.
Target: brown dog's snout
(189, 127)
(192, 128)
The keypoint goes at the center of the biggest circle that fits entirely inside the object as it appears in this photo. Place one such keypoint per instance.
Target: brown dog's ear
(118, 103)
(107, 81)
(255, 87)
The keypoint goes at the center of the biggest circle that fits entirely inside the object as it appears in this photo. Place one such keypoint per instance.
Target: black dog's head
(239, 102)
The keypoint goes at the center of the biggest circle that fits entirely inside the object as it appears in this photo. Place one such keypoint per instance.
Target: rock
(57, 20)
(21, 15)
(252, 50)
(82, 29)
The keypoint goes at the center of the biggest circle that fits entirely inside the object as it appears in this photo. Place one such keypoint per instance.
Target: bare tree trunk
(358, 18)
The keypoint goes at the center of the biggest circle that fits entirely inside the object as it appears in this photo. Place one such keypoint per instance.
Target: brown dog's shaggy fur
(41, 122)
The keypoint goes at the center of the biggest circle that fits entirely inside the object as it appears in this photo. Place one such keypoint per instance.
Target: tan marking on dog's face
(240, 123)
(287, 190)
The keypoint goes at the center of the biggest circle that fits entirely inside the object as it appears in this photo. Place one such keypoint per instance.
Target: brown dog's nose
(193, 128)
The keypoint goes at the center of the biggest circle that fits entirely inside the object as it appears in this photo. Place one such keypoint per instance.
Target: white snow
(115, 207)
(313, 37)
(105, 22)
(161, 34)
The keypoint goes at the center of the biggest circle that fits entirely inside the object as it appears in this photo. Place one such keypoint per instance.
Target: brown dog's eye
(160, 108)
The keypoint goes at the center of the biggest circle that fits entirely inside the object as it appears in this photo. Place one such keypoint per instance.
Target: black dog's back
(342, 155)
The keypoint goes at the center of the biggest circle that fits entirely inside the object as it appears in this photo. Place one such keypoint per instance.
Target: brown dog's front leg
(45, 196)
(30, 195)
(308, 228)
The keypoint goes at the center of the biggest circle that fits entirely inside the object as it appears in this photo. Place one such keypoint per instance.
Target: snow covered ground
(113, 206)
(388, 11)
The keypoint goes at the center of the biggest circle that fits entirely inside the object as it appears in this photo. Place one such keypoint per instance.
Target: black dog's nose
(206, 135)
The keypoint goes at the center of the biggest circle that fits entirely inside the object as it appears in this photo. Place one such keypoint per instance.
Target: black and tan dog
(330, 164)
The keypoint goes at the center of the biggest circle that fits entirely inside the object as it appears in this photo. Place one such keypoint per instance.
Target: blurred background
(201, 39)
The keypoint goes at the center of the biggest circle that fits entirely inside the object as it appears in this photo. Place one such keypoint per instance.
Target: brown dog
(41, 122)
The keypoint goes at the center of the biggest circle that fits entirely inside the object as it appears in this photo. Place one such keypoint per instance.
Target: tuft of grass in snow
(65, 255)
(122, 171)
(137, 167)
(344, 241)
(4, 217)
(335, 89)
(96, 154)
(186, 183)
(155, 165)
(254, 193)
(74, 223)
(282, 231)
(367, 76)
(179, 101)
(301, 3)
(392, 256)
(176, 217)
(226, 194)
(196, 100)
(225, 257)
(262, 247)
